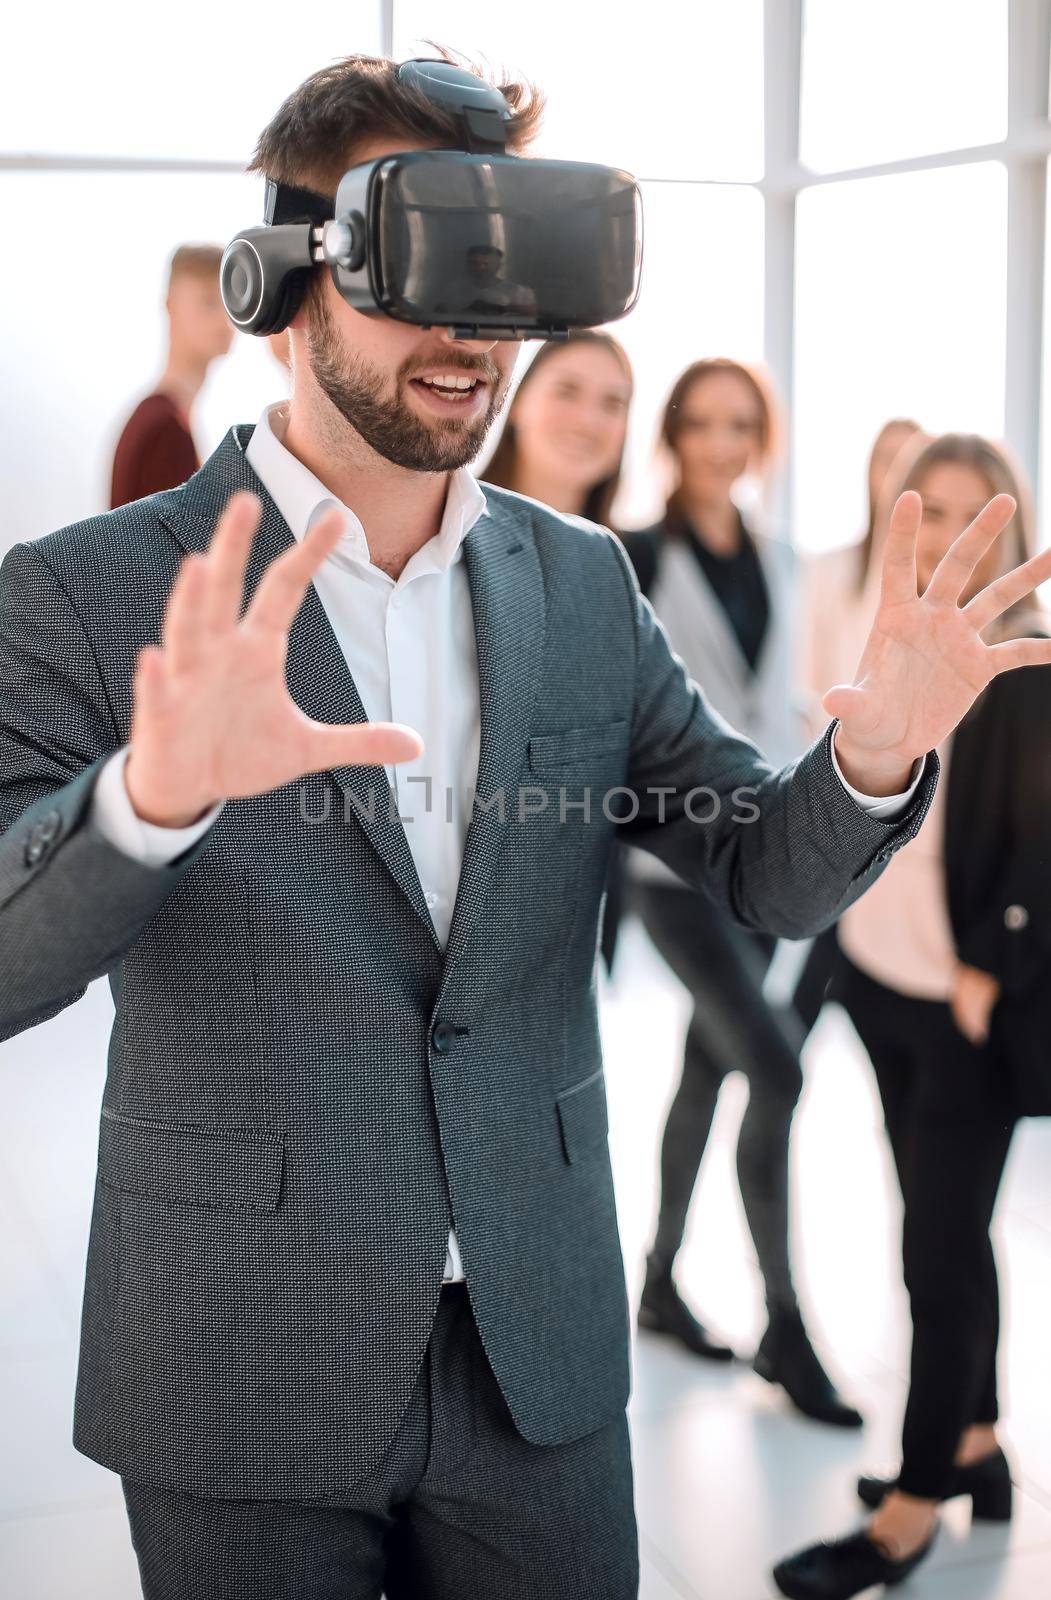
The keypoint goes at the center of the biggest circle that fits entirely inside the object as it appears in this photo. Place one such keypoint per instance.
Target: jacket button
(442, 1037)
(40, 837)
(1016, 917)
(49, 825)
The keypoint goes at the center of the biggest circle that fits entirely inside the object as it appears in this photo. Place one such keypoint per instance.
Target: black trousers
(733, 1028)
(950, 1120)
(460, 1505)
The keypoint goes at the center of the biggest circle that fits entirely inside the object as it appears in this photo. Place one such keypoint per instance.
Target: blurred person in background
(726, 597)
(840, 596)
(563, 438)
(156, 449)
(563, 444)
(945, 974)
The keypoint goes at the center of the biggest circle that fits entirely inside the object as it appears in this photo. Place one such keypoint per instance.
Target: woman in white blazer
(727, 599)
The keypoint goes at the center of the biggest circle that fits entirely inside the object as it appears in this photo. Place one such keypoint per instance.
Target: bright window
(884, 80)
(674, 91)
(198, 81)
(900, 296)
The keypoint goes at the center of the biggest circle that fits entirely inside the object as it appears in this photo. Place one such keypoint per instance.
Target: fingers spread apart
(206, 594)
(280, 592)
(956, 567)
(228, 554)
(1020, 653)
(899, 555)
(994, 600)
(363, 744)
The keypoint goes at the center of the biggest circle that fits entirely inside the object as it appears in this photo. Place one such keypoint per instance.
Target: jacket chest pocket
(578, 747)
(572, 775)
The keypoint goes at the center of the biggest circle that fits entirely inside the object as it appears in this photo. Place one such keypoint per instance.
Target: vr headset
(489, 245)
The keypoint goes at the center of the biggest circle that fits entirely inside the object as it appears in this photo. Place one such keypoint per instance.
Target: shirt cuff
(888, 807)
(113, 815)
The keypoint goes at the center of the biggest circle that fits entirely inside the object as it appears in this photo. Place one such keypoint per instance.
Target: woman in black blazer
(947, 979)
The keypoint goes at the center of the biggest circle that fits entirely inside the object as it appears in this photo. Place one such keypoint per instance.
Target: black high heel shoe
(787, 1357)
(988, 1482)
(662, 1310)
(840, 1568)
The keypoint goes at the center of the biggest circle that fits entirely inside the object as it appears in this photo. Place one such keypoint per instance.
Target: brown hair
(195, 260)
(312, 139)
(1004, 475)
(502, 469)
(671, 417)
(865, 547)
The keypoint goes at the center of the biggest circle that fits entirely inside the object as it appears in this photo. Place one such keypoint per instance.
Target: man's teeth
(450, 380)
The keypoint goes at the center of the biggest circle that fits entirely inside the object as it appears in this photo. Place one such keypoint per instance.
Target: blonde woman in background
(564, 433)
(946, 976)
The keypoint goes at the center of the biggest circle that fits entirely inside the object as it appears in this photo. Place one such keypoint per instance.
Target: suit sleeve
(71, 903)
(114, 816)
(785, 851)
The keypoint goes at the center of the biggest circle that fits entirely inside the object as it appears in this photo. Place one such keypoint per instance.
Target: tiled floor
(728, 1479)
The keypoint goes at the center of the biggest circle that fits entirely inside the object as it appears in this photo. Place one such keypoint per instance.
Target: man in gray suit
(354, 1311)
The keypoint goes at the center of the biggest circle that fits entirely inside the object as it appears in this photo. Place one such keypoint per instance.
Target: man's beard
(387, 424)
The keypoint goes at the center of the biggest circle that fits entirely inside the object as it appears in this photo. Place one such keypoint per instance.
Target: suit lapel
(507, 597)
(318, 677)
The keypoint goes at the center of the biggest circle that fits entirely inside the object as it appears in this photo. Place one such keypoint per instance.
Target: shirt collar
(302, 498)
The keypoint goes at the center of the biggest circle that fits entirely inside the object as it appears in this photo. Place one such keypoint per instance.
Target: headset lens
(505, 242)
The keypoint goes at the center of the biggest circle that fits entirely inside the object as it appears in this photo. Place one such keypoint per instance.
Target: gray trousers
(460, 1505)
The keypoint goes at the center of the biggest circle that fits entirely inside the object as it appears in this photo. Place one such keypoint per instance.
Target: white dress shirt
(410, 647)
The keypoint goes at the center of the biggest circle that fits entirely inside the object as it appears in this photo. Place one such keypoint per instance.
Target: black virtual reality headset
(489, 245)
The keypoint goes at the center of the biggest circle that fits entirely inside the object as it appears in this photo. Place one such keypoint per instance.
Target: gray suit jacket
(304, 1090)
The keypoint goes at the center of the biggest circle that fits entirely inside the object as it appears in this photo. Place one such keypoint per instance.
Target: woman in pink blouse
(945, 971)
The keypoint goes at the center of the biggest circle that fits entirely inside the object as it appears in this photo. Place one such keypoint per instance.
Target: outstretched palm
(213, 718)
(925, 661)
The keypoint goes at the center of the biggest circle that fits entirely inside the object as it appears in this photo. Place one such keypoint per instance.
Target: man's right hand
(212, 717)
